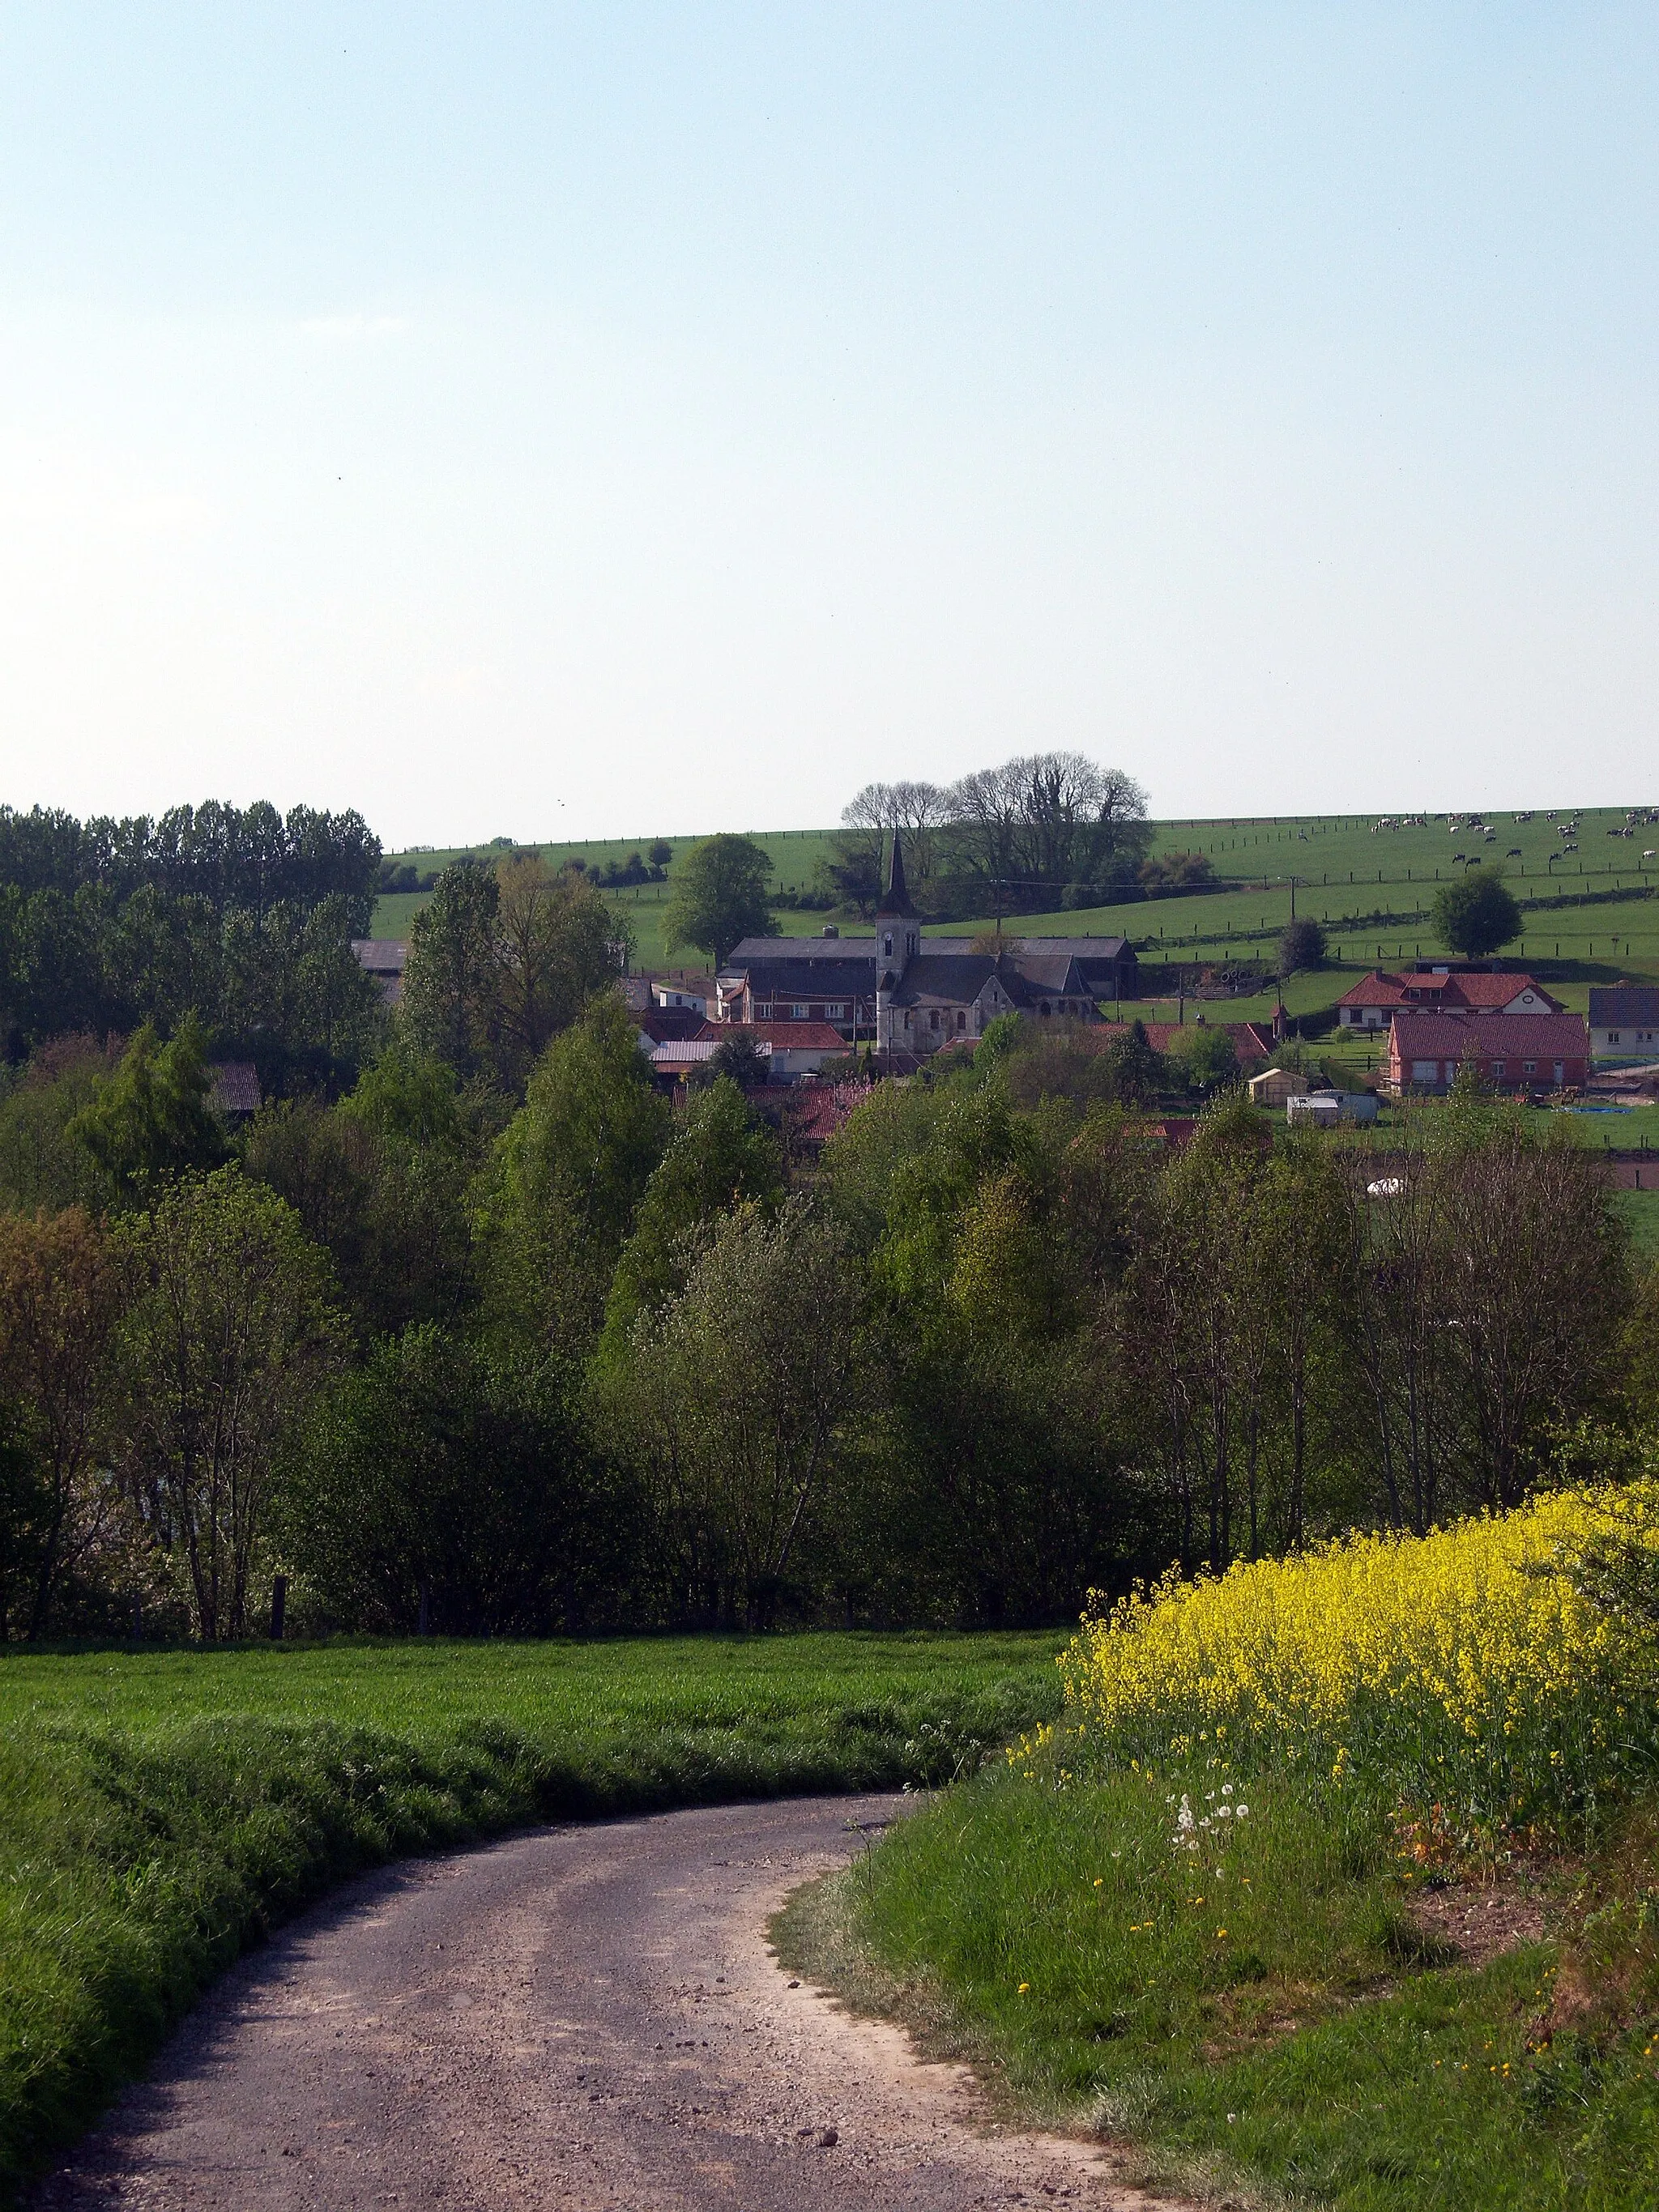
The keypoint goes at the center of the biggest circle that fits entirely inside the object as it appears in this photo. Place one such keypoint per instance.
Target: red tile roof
(1518, 1036)
(1455, 991)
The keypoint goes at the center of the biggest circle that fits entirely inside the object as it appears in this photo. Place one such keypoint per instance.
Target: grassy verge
(1337, 1883)
(1267, 2021)
(159, 1812)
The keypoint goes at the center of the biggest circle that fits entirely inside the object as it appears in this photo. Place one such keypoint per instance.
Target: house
(385, 959)
(1522, 1052)
(682, 1057)
(908, 994)
(1623, 1021)
(793, 1047)
(671, 1027)
(235, 1094)
(689, 994)
(1373, 1002)
(1252, 1041)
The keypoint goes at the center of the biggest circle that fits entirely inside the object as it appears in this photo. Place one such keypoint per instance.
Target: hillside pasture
(1372, 890)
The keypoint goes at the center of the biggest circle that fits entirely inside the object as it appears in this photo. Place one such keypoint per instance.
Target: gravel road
(583, 2017)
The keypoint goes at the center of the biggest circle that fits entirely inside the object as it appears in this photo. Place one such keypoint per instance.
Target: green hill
(1372, 888)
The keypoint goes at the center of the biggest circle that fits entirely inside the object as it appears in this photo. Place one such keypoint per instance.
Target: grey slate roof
(771, 977)
(1619, 1005)
(959, 977)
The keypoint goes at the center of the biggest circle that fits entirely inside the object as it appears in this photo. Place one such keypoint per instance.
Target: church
(910, 995)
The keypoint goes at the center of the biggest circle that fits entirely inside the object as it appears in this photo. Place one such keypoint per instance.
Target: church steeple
(899, 929)
(897, 901)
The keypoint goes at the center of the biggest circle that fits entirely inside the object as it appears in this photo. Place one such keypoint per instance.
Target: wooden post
(279, 1607)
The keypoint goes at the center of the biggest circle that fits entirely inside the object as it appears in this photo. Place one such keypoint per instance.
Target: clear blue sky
(625, 419)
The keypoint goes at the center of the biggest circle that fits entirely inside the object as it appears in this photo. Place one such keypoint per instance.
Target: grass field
(1344, 874)
(160, 1810)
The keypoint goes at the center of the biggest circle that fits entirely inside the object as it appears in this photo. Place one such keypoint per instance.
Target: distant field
(1346, 876)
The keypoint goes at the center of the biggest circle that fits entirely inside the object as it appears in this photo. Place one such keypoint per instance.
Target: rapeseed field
(1494, 1664)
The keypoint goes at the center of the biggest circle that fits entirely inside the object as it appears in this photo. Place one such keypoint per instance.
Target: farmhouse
(1374, 1000)
(907, 995)
(1623, 1021)
(1523, 1052)
(793, 1047)
(383, 958)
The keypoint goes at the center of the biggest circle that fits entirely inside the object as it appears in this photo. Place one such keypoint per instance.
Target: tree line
(242, 917)
(499, 1341)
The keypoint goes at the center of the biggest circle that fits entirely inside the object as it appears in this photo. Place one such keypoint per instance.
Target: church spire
(897, 901)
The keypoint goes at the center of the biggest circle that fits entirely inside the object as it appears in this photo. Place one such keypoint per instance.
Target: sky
(633, 420)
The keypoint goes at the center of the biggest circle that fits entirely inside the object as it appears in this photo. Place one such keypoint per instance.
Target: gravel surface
(586, 2016)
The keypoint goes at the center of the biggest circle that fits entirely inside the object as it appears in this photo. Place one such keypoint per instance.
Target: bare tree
(1047, 820)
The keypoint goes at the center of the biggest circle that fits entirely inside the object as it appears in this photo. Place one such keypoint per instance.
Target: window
(1529, 1068)
(798, 1013)
(962, 1018)
(1425, 1071)
(762, 1013)
(1560, 1071)
(887, 945)
(1497, 1071)
(933, 1019)
(837, 1013)
(1613, 1037)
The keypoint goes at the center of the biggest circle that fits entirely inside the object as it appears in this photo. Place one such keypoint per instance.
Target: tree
(1204, 1051)
(557, 1200)
(555, 943)
(1301, 945)
(430, 1487)
(380, 1181)
(660, 854)
(152, 1118)
(1477, 914)
(450, 978)
(721, 1157)
(736, 1402)
(722, 895)
(1045, 820)
(1138, 1070)
(59, 1302)
(227, 1332)
(741, 1058)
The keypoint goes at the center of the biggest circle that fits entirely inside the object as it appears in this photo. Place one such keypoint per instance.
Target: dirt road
(583, 2017)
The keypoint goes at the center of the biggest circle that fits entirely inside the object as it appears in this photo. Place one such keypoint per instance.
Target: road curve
(581, 2017)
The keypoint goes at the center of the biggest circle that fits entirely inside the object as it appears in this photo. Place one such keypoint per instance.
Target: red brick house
(1521, 1052)
(1374, 1000)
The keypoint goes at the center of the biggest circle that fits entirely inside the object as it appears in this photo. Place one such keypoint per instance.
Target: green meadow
(1372, 890)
